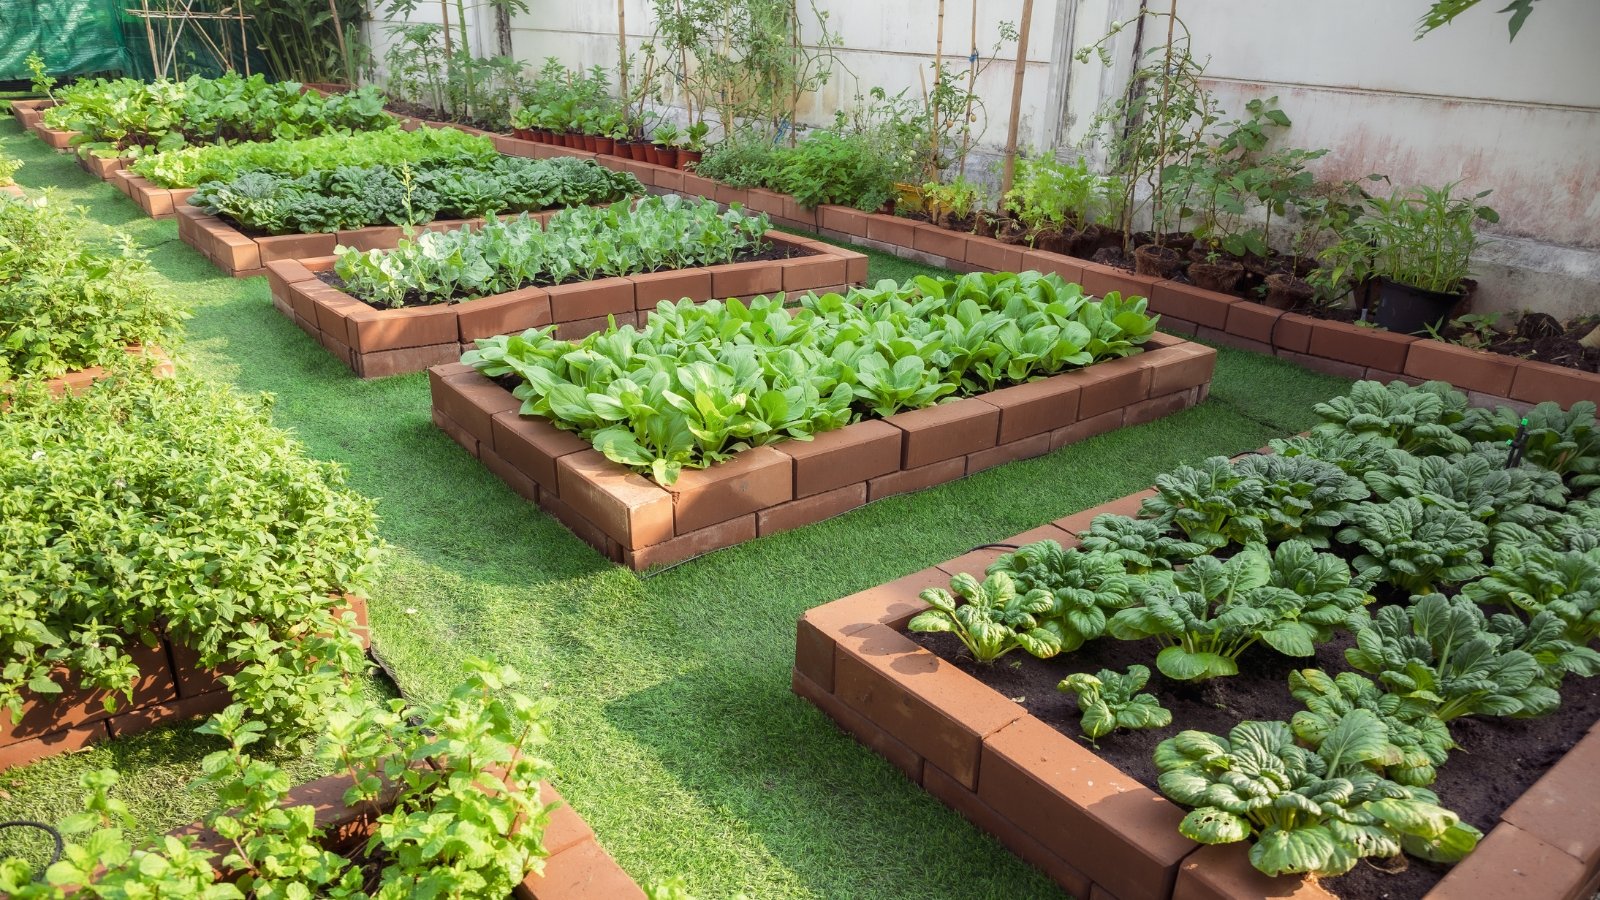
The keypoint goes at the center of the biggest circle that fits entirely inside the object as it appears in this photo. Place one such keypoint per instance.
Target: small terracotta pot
(667, 156)
(687, 158)
(1160, 262)
(603, 144)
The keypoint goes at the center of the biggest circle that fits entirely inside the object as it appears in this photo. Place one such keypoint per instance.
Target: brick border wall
(638, 523)
(377, 343)
(576, 866)
(78, 381)
(156, 201)
(1094, 830)
(171, 687)
(1336, 348)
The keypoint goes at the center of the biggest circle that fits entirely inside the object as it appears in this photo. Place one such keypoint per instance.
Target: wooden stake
(1009, 169)
(622, 52)
(344, 52)
(150, 35)
(932, 174)
(972, 80)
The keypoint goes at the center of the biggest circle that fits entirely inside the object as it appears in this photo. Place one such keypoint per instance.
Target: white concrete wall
(1463, 104)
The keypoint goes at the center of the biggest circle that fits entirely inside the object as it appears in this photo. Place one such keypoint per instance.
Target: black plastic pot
(1404, 309)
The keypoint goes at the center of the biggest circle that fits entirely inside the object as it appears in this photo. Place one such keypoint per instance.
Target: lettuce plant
(1415, 545)
(1213, 610)
(1440, 650)
(1110, 700)
(1418, 741)
(1421, 420)
(991, 618)
(390, 148)
(1315, 812)
(1085, 588)
(1537, 579)
(1141, 545)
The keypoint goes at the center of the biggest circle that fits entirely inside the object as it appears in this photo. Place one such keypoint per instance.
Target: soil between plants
(771, 253)
(1498, 759)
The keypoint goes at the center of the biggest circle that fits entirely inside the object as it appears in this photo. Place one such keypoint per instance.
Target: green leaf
(1209, 825)
(1183, 665)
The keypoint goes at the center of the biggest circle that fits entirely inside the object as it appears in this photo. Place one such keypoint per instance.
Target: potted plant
(1416, 246)
(694, 146)
(666, 145)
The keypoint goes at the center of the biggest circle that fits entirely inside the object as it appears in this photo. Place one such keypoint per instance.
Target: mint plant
(1110, 700)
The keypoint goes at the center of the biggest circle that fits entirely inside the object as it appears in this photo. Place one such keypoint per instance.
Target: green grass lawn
(676, 734)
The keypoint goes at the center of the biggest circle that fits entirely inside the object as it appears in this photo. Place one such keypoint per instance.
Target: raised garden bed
(157, 202)
(171, 687)
(380, 342)
(55, 138)
(1341, 349)
(637, 522)
(27, 112)
(1093, 828)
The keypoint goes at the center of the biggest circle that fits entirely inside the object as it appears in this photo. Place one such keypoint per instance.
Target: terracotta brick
(954, 795)
(804, 273)
(1253, 321)
(728, 195)
(929, 238)
(579, 872)
(295, 246)
(695, 543)
(806, 510)
(891, 604)
(532, 445)
(456, 432)
(1536, 382)
(842, 219)
(509, 313)
(856, 268)
(235, 253)
(514, 478)
(1069, 268)
(629, 508)
(147, 717)
(653, 287)
(1109, 385)
(977, 560)
(670, 180)
(1292, 332)
(1361, 346)
(1324, 365)
(908, 480)
(1036, 407)
(581, 527)
(940, 432)
(282, 273)
(1179, 368)
(590, 299)
(334, 311)
(940, 712)
(473, 400)
(833, 459)
(1224, 872)
(699, 185)
(1510, 862)
(891, 229)
(193, 679)
(813, 654)
(1101, 280)
(993, 256)
(752, 480)
(66, 740)
(1115, 830)
(371, 330)
(1560, 807)
(794, 211)
(1146, 411)
(763, 200)
(1191, 303)
(1025, 448)
(565, 828)
(858, 726)
(745, 279)
(372, 237)
(582, 328)
(75, 705)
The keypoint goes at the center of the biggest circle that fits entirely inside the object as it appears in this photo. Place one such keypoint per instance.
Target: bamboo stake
(150, 35)
(932, 173)
(344, 52)
(444, 10)
(972, 81)
(1009, 168)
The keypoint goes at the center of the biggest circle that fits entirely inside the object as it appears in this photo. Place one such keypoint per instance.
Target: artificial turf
(676, 735)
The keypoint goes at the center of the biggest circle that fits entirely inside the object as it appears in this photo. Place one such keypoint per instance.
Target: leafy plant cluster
(578, 244)
(432, 65)
(466, 818)
(701, 382)
(390, 147)
(349, 197)
(1489, 572)
(152, 507)
(129, 117)
(66, 305)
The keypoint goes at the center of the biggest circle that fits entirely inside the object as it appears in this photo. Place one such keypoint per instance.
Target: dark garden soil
(419, 111)
(770, 253)
(1498, 759)
(1541, 337)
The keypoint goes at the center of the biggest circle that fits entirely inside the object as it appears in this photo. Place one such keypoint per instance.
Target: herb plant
(1423, 237)
(990, 618)
(1110, 700)
(1309, 812)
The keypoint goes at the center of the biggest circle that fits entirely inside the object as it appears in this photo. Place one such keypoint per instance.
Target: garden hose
(61, 845)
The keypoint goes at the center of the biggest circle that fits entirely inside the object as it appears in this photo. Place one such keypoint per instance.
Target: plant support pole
(1009, 168)
(932, 174)
(622, 53)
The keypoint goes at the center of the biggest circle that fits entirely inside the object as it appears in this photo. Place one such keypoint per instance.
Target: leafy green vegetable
(992, 618)
(1212, 503)
(1421, 420)
(1110, 700)
(1353, 454)
(390, 148)
(1418, 741)
(1415, 546)
(1083, 587)
(1301, 497)
(1308, 812)
(1474, 486)
(1141, 545)
(1537, 579)
(1439, 649)
(703, 381)
(1290, 599)
(1566, 442)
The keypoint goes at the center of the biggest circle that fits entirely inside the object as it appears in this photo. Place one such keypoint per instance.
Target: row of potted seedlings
(1375, 583)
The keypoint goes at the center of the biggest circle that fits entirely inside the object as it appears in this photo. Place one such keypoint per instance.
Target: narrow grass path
(676, 734)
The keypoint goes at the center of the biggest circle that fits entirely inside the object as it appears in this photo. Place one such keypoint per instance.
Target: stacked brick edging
(376, 343)
(634, 521)
(1094, 830)
(157, 202)
(1336, 348)
(576, 867)
(76, 382)
(171, 687)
